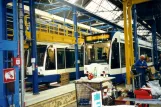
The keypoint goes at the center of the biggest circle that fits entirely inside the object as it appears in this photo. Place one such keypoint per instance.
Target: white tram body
(54, 59)
(115, 53)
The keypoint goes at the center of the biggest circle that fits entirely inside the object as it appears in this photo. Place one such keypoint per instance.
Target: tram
(108, 55)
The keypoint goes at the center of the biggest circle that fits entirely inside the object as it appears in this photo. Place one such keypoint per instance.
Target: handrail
(51, 27)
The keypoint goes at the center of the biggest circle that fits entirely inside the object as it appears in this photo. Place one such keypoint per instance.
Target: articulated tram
(109, 56)
(54, 59)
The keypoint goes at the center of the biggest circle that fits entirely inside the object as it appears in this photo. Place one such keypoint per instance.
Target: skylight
(104, 9)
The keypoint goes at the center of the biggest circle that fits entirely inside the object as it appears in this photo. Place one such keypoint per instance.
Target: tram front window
(97, 53)
(40, 55)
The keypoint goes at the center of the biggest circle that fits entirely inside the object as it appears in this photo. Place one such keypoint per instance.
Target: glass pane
(50, 59)
(40, 54)
(115, 61)
(81, 58)
(122, 49)
(61, 58)
(70, 58)
(97, 53)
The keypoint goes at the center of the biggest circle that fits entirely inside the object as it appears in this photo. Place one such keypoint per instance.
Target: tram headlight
(90, 46)
(108, 44)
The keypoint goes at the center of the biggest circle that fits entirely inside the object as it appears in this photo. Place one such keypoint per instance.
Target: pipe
(21, 32)
(76, 45)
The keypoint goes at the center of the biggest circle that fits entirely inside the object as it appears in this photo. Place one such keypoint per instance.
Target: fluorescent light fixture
(46, 18)
(149, 26)
(144, 22)
(72, 1)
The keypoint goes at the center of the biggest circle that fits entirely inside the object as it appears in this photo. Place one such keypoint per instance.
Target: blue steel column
(136, 53)
(16, 53)
(76, 45)
(34, 46)
(155, 52)
(3, 101)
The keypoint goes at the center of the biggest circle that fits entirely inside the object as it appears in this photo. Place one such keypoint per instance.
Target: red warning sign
(9, 75)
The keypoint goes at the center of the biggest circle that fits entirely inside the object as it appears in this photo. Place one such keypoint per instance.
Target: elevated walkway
(48, 31)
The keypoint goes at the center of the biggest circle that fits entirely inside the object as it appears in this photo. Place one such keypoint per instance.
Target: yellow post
(126, 42)
(130, 33)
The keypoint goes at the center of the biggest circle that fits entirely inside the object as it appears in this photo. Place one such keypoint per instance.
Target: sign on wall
(9, 75)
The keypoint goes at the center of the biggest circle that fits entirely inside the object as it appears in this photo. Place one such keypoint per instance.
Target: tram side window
(50, 60)
(147, 52)
(61, 58)
(81, 57)
(40, 55)
(122, 49)
(115, 62)
(70, 58)
(159, 52)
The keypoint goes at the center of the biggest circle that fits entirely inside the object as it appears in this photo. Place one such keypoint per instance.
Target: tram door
(115, 58)
(122, 58)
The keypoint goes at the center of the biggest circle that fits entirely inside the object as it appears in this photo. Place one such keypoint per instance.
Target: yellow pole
(126, 42)
(130, 34)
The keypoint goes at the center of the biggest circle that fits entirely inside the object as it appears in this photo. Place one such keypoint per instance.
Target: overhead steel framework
(91, 15)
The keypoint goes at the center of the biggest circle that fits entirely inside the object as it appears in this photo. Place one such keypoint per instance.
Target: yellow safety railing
(49, 31)
(54, 31)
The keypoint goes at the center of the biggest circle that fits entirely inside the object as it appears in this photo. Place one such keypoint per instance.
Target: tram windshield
(97, 53)
(40, 55)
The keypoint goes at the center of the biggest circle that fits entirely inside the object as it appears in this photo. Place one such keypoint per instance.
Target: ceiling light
(144, 22)
(149, 26)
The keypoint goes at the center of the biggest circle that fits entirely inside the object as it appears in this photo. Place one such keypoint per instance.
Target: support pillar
(155, 52)
(76, 42)
(3, 100)
(33, 47)
(136, 53)
(126, 42)
(16, 51)
(21, 35)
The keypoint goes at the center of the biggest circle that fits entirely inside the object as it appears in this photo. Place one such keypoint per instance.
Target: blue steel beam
(87, 20)
(104, 27)
(34, 47)
(136, 53)
(90, 14)
(45, 4)
(59, 9)
(155, 52)
(76, 45)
